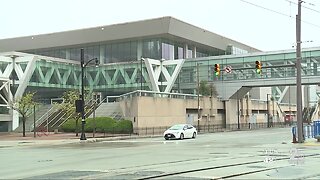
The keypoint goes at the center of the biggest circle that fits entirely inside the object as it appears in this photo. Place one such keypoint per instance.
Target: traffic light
(217, 69)
(258, 67)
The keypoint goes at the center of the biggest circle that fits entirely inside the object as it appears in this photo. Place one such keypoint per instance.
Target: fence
(202, 129)
(155, 131)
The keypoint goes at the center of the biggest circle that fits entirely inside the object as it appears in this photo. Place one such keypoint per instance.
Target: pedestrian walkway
(16, 139)
(30, 136)
(12, 136)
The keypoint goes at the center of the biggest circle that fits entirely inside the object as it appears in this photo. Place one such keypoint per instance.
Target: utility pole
(298, 67)
(198, 94)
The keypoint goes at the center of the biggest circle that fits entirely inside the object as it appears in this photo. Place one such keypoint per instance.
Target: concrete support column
(139, 50)
(231, 111)
(15, 120)
(194, 52)
(185, 51)
(102, 55)
(172, 55)
(67, 53)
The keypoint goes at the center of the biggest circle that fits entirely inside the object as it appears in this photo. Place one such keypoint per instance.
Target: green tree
(69, 106)
(206, 89)
(24, 106)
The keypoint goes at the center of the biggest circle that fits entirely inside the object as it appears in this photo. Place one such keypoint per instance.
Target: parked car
(180, 131)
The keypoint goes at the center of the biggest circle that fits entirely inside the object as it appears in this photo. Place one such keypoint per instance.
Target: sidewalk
(12, 136)
(16, 139)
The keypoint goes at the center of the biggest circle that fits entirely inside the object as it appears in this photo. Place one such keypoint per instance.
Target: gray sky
(235, 19)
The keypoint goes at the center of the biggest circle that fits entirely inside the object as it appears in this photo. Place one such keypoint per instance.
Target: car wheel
(181, 136)
(194, 135)
(166, 138)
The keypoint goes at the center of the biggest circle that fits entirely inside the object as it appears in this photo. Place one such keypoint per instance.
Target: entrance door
(189, 119)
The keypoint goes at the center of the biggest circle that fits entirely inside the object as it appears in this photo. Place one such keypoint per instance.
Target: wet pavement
(258, 154)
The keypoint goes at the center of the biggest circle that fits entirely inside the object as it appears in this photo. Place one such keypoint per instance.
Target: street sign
(228, 69)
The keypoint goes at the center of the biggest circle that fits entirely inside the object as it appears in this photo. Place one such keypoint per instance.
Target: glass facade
(235, 50)
(131, 50)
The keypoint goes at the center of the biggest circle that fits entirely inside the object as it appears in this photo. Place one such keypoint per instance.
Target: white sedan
(180, 131)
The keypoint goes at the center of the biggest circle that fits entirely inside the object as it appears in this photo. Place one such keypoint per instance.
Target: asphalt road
(257, 154)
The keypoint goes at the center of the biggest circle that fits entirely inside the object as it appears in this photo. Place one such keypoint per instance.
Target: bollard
(316, 128)
(308, 131)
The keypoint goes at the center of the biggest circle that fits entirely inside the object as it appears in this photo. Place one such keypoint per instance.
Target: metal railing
(157, 94)
(43, 118)
(157, 131)
(92, 108)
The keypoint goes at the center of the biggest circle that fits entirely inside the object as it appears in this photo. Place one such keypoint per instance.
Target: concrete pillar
(139, 50)
(185, 51)
(172, 55)
(15, 120)
(102, 55)
(194, 52)
(231, 112)
(67, 53)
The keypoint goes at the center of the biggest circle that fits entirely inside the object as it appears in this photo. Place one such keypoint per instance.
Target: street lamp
(83, 66)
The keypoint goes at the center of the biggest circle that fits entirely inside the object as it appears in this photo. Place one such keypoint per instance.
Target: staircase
(30, 120)
(52, 117)
(56, 116)
(111, 109)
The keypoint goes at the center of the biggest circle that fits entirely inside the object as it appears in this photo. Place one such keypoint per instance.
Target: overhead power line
(277, 12)
(304, 6)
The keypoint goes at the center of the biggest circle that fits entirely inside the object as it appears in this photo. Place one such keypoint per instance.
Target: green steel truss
(47, 72)
(68, 76)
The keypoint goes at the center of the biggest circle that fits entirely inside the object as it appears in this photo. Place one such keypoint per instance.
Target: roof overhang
(134, 30)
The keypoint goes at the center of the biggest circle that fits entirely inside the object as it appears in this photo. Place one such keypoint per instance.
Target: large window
(167, 51)
(155, 48)
(75, 54)
(151, 49)
(108, 54)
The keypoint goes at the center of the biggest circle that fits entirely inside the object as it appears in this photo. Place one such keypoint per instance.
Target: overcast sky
(264, 24)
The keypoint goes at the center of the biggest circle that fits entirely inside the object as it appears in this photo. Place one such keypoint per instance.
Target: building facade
(162, 38)
(142, 55)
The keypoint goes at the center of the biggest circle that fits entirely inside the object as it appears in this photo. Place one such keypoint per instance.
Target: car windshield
(177, 127)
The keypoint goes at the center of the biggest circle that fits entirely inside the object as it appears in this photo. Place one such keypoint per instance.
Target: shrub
(124, 126)
(103, 125)
(69, 126)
